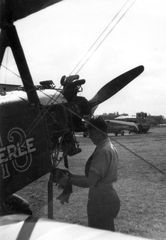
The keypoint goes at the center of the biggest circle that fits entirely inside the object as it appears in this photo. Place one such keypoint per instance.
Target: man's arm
(80, 180)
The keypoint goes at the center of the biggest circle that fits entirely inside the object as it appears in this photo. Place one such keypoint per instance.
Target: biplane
(38, 122)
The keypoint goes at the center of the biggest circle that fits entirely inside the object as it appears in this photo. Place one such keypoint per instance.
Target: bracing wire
(113, 23)
(11, 71)
(43, 112)
(138, 156)
(55, 100)
(99, 37)
(6, 64)
(39, 118)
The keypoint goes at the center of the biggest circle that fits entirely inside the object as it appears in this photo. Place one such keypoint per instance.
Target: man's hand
(64, 181)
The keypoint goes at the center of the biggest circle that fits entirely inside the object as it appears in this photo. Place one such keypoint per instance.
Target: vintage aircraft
(119, 127)
(116, 127)
(139, 119)
(38, 123)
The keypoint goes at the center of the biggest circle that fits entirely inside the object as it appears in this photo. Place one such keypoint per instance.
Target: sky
(56, 39)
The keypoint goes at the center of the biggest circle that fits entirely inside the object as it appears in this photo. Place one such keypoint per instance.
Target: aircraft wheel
(15, 204)
(122, 133)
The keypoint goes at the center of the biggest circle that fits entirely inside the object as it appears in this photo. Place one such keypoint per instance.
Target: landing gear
(122, 133)
(15, 204)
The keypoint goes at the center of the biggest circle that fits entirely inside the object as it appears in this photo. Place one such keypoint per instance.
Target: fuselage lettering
(20, 153)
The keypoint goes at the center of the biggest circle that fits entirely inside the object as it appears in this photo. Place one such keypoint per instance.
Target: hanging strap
(27, 228)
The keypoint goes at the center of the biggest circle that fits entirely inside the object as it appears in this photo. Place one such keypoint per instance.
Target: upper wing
(18, 9)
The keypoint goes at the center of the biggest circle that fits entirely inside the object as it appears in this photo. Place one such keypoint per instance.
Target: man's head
(97, 129)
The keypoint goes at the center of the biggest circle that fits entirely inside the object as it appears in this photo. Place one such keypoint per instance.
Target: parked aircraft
(119, 127)
(139, 119)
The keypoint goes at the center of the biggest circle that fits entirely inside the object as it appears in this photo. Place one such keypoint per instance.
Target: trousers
(102, 208)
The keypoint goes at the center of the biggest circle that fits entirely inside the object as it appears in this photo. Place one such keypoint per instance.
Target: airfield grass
(141, 187)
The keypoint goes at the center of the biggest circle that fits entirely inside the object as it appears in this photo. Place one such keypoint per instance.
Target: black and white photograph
(82, 119)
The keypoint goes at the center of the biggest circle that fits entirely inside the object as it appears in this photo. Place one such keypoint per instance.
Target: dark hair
(98, 123)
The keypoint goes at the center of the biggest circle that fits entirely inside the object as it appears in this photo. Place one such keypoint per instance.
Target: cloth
(56, 176)
(103, 201)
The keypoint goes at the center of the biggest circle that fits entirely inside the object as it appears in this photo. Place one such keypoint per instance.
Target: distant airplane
(139, 119)
(119, 127)
(116, 127)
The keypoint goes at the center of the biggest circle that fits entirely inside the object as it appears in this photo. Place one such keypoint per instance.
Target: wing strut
(9, 37)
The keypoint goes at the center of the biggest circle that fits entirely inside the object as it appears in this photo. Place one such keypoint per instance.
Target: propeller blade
(115, 86)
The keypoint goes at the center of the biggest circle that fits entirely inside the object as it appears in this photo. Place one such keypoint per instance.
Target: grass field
(141, 187)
